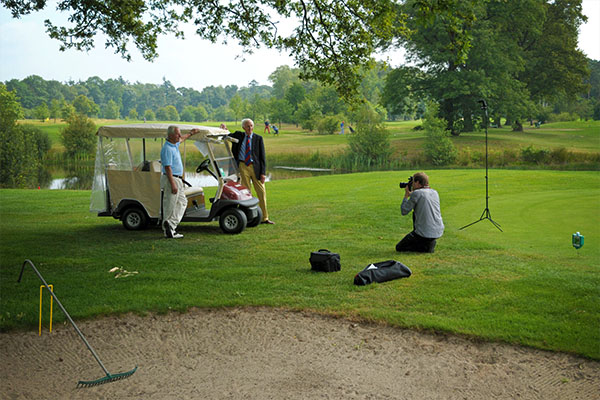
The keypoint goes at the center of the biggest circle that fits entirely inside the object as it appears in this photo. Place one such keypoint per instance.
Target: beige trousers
(247, 174)
(174, 205)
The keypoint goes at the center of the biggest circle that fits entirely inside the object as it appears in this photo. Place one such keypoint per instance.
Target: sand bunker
(276, 354)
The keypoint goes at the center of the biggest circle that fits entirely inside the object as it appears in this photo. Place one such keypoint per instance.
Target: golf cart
(127, 174)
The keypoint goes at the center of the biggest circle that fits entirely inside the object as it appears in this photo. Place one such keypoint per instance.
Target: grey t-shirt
(428, 218)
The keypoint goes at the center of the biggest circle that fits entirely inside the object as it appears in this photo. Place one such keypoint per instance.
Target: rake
(105, 379)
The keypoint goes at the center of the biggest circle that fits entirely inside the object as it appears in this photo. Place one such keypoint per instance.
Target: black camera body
(409, 184)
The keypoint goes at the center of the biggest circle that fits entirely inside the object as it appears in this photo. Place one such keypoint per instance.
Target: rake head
(106, 379)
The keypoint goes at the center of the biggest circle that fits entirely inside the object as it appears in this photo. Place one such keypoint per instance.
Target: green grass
(526, 285)
(576, 136)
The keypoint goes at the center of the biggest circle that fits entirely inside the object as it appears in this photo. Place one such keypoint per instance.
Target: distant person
(252, 163)
(171, 181)
(275, 130)
(223, 126)
(342, 128)
(267, 129)
(427, 217)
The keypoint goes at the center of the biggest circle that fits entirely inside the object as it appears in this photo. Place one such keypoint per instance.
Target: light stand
(486, 213)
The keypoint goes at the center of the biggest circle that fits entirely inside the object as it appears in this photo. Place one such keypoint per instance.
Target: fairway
(526, 285)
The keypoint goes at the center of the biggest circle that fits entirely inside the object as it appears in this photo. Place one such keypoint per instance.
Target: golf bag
(382, 272)
(325, 261)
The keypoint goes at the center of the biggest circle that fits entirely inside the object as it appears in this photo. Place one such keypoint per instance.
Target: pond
(80, 178)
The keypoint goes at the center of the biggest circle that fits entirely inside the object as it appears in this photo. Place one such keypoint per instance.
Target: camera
(409, 184)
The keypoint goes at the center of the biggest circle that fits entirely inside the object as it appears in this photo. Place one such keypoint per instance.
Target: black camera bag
(382, 272)
(325, 261)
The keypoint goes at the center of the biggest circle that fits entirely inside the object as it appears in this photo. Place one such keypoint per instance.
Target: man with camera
(427, 217)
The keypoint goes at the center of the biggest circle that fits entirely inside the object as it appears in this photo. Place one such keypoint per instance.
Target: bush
(439, 149)
(562, 117)
(531, 155)
(369, 144)
(78, 136)
(22, 147)
(328, 125)
(149, 115)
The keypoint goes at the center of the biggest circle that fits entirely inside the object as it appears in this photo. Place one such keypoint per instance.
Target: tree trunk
(468, 125)
(498, 122)
(447, 111)
(517, 126)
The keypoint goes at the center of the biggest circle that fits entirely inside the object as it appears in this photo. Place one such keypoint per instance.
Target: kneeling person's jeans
(416, 243)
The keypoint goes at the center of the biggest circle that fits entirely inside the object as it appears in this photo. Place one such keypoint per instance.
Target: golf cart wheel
(134, 219)
(233, 220)
(254, 222)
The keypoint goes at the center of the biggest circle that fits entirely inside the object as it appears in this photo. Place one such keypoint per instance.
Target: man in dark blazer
(252, 163)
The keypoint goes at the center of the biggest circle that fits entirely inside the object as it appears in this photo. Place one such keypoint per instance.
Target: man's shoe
(268, 221)
(177, 235)
(168, 231)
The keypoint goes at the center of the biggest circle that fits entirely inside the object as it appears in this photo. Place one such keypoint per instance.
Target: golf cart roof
(154, 130)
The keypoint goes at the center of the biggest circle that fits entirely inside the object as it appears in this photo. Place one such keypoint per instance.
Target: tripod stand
(486, 213)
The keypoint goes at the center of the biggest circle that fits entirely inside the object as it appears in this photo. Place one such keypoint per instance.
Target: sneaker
(168, 231)
(177, 235)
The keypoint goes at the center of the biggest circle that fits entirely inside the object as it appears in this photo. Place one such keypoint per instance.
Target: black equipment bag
(382, 272)
(325, 261)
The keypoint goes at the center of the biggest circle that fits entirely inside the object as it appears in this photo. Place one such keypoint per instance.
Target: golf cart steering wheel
(203, 165)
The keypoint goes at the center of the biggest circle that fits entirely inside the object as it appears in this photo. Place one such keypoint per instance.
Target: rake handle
(64, 311)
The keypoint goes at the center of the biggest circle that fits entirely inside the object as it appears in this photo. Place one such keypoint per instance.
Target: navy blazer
(257, 146)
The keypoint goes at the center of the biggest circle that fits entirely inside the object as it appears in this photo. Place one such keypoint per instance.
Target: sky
(25, 50)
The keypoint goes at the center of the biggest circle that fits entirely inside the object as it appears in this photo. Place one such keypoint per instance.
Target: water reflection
(81, 178)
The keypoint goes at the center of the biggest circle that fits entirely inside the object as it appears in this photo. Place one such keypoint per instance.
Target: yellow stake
(51, 298)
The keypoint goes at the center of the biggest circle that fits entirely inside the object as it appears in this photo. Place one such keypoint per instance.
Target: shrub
(562, 117)
(149, 115)
(531, 155)
(369, 144)
(327, 125)
(439, 148)
(78, 136)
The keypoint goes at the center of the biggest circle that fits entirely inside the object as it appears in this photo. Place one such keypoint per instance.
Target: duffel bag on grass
(325, 261)
(382, 272)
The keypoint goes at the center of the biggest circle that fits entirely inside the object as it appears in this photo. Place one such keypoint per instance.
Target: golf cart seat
(193, 191)
(152, 166)
(195, 197)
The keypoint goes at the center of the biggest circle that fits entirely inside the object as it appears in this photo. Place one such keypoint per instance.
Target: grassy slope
(577, 136)
(525, 285)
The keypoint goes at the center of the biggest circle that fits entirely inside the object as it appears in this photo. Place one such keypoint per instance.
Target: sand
(276, 354)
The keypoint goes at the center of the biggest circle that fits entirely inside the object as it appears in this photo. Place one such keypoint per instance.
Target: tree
(22, 147)
(200, 113)
(67, 111)
(149, 115)
(370, 142)
(398, 95)
(41, 112)
(439, 148)
(111, 110)
(295, 94)
(78, 136)
(10, 109)
(238, 106)
(280, 110)
(84, 105)
(55, 107)
(172, 114)
(133, 114)
(331, 38)
(506, 62)
(308, 114)
(187, 114)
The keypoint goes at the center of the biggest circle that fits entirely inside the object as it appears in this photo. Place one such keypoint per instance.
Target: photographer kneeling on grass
(427, 217)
